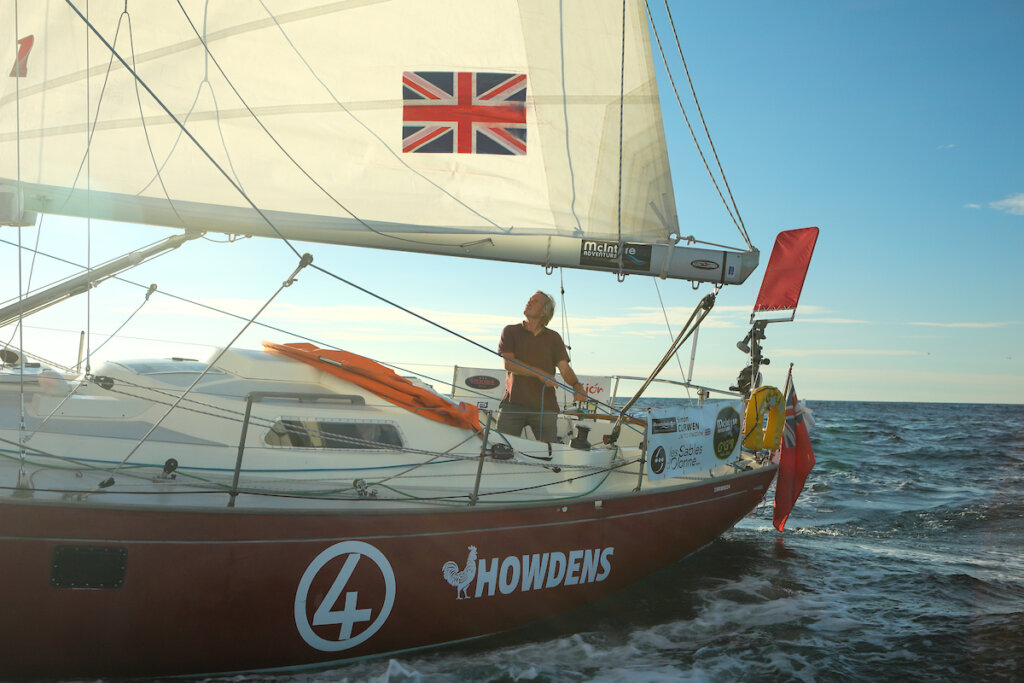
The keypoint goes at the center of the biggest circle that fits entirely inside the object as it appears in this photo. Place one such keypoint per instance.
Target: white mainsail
(299, 109)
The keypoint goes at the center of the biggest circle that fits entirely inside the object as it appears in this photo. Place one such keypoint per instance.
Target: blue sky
(893, 126)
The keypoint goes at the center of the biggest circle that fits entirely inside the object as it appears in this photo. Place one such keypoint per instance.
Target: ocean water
(903, 560)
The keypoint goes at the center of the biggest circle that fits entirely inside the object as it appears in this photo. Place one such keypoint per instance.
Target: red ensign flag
(797, 460)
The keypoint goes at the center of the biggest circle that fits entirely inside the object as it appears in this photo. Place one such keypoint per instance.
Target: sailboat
(298, 505)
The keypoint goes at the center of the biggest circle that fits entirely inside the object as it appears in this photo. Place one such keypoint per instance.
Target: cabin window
(333, 434)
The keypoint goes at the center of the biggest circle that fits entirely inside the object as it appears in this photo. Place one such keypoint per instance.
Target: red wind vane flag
(797, 459)
(784, 277)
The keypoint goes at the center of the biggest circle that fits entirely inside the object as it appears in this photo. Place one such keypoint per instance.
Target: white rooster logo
(461, 578)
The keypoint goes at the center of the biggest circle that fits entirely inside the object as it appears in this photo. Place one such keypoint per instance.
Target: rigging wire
(707, 133)
(701, 312)
(88, 199)
(226, 313)
(668, 325)
(565, 116)
(91, 128)
(196, 406)
(304, 261)
(565, 311)
(237, 187)
(142, 120)
(209, 56)
(371, 132)
(67, 397)
(174, 296)
(31, 271)
(149, 293)
(183, 129)
(736, 219)
(214, 487)
(90, 464)
(425, 463)
(590, 470)
(610, 408)
(622, 108)
(195, 100)
(21, 291)
(157, 175)
(191, 137)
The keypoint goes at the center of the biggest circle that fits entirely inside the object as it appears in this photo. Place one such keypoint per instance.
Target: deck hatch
(88, 566)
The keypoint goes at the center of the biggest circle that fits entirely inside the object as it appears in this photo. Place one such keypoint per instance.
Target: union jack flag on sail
(797, 458)
(463, 112)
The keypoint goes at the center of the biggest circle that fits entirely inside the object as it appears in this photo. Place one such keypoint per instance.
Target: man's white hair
(548, 309)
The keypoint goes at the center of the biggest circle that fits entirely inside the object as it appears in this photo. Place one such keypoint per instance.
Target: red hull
(229, 590)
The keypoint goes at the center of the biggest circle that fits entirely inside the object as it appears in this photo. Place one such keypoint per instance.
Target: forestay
(489, 130)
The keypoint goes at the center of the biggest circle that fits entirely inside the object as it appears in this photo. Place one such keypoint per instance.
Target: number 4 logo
(20, 69)
(350, 614)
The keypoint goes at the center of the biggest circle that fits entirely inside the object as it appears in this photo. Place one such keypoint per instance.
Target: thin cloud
(720, 308)
(347, 323)
(847, 352)
(1013, 204)
(834, 321)
(972, 206)
(971, 325)
(950, 146)
(386, 323)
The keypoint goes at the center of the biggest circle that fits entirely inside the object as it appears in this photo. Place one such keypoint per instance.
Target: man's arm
(570, 378)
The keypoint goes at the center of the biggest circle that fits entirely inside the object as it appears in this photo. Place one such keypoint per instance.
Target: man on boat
(532, 352)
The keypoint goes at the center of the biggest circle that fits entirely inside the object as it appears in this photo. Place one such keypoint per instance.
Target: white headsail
(481, 129)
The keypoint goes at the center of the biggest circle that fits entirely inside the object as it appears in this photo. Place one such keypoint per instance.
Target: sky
(894, 126)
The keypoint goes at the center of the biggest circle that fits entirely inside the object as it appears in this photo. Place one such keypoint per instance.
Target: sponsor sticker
(702, 264)
(606, 255)
(703, 437)
(482, 382)
(658, 460)
(486, 577)
(663, 425)
(727, 432)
